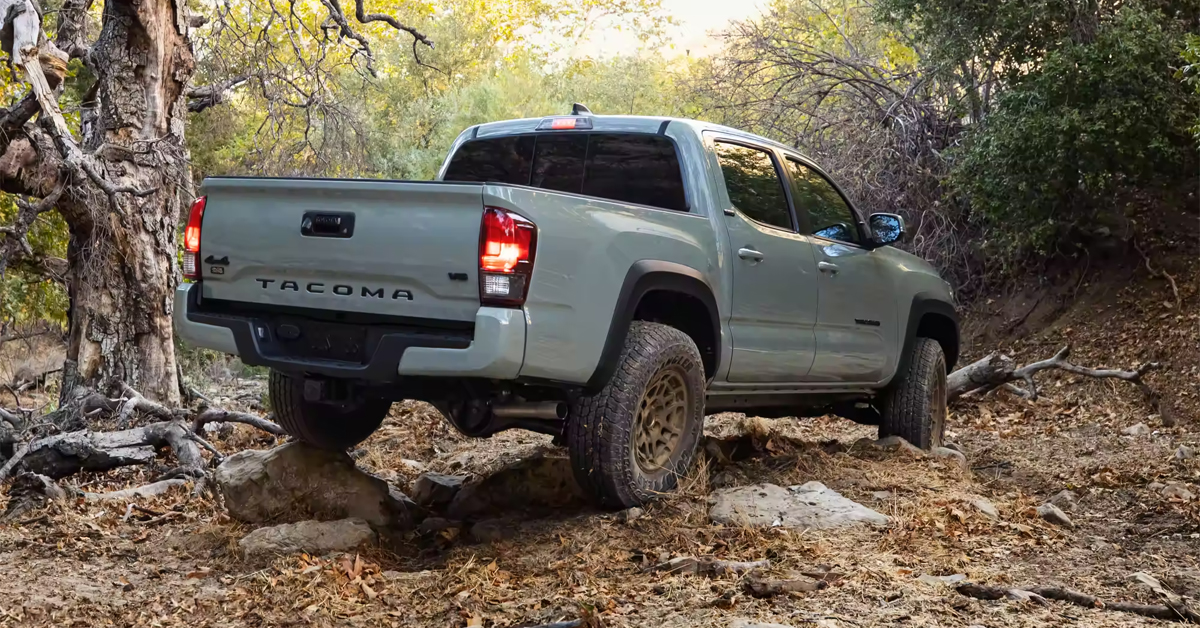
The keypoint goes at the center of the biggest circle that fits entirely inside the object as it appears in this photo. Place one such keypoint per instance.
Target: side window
(753, 184)
(641, 169)
(828, 213)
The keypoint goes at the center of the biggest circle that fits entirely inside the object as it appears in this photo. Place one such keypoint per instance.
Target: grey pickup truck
(607, 280)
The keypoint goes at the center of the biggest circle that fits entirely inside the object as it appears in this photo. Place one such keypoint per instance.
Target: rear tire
(914, 406)
(333, 426)
(632, 441)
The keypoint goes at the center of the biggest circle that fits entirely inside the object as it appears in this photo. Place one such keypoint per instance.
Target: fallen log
(997, 370)
(66, 454)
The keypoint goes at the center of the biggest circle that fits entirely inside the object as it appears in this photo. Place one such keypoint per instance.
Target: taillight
(507, 242)
(191, 241)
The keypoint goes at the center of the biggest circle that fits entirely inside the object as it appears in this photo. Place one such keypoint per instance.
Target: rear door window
(626, 167)
(753, 184)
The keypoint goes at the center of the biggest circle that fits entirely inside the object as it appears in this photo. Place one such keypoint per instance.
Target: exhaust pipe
(548, 410)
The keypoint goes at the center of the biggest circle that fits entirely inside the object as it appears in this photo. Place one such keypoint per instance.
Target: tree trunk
(125, 269)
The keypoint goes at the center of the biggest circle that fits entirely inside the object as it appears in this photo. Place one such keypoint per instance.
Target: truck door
(856, 314)
(774, 305)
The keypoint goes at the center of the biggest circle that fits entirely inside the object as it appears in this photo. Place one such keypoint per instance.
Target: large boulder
(537, 483)
(811, 505)
(314, 537)
(436, 490)
(296, 482)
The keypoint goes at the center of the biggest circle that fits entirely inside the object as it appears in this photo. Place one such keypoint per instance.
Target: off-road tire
(914, 406)
(601, 428)
(331, 426)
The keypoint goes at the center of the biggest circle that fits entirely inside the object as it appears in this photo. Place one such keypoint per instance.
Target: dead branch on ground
(997, 370)
(1174, 609)
(177, 429)
(1160, 273)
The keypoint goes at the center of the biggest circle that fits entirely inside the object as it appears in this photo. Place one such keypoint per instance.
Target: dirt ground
(88, 564)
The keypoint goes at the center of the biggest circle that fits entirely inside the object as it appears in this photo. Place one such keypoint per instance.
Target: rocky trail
(507, 541)
(1079, 507)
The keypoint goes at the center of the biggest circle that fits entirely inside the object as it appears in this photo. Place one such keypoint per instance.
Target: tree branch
(1176, 611)
(205, 96)
(345, 30)
(996, 370)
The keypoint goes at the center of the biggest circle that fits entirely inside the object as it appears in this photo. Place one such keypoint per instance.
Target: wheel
(914, 406)
(631, 442)
(333, 426)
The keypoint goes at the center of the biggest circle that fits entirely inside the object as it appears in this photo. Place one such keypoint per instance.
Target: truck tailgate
(412, 249)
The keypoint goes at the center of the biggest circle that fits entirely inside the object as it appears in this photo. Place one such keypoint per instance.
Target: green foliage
(25, 294)
(401, 122)
(1091, 119)
(1190, 73)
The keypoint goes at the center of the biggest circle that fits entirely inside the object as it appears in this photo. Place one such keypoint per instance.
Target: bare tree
(121, 178)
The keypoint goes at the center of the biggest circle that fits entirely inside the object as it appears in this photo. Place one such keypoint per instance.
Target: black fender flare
(928, 303)
(643, 277)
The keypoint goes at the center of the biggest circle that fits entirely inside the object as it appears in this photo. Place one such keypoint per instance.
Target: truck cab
(590, 277)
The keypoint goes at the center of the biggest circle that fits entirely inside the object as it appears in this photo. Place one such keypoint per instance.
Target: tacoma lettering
(341, 290)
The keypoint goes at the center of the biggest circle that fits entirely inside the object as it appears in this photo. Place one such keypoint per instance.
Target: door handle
(748, 253)
(826, 267)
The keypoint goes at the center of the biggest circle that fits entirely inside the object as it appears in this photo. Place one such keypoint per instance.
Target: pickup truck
(607, 280)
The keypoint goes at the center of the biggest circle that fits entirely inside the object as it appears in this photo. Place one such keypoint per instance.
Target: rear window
(626, 167)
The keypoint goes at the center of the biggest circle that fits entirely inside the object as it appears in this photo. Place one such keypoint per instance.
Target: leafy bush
(1091, 119)
(1190, 73)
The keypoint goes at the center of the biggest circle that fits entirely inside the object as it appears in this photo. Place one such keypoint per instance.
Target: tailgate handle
(327, 224)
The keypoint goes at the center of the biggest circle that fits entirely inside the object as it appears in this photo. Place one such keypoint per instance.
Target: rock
(535, 483)
(897, 444)
(630, 515)
(722, 480)
(1184, 453)
(295, 482)
(986, 507)
(433, 525)
(882, 495)
(936, 580)
(951, 455)
(1065, 500)
(746, 623)
(412, 466)
(1175, 490)
(30, 491)
(460, 460)
(492, 530)
(436, 490)
(809, 506)
(314, 537)
(730, 449)
(1156, 486)
(1140, 429)
(1051, 513)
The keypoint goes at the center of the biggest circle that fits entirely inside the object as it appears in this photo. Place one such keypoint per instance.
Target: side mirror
(886, 228)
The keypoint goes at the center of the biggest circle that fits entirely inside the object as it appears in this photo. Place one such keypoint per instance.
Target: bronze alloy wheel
(661, 419)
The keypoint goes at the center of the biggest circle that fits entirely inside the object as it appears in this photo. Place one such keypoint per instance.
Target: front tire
(332, 426)
(914, 406)
(632, 441)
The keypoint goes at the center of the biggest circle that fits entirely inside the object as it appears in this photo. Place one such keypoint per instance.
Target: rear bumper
(496, 350)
